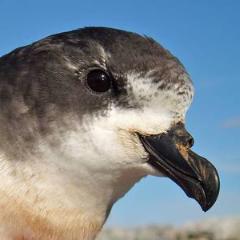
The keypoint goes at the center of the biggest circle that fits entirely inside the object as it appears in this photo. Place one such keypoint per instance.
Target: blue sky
(205, 36)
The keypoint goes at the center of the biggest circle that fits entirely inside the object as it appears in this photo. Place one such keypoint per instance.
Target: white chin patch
(152, 171)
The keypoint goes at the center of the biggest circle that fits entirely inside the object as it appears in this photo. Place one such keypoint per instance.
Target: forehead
(128, 50)
(124, 47)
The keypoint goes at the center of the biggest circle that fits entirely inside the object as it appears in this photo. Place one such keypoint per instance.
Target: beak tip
(206, 207)
(211, 192)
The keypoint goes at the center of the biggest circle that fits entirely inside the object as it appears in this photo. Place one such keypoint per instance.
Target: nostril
(190, 141)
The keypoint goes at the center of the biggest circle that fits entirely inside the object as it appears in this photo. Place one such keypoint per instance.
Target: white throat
(55, 190)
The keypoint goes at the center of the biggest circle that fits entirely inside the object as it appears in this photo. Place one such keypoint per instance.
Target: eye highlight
(98, 81)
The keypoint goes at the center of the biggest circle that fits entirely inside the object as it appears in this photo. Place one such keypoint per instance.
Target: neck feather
(50, 204)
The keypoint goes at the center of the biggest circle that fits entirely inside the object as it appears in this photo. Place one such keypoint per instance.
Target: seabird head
(105, 108)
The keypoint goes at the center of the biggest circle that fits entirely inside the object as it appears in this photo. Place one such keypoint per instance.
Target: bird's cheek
(132, 149)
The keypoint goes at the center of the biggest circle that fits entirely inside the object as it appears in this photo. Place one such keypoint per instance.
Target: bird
(84, 115)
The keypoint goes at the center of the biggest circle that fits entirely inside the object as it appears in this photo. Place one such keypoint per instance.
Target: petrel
(84, 115)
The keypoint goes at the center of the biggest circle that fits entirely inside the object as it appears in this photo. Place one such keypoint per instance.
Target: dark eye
(98, 81)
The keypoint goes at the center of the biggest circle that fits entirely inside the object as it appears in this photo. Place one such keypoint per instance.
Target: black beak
(170, 153)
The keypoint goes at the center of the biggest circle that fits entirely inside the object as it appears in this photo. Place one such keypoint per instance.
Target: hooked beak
(170, 154)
